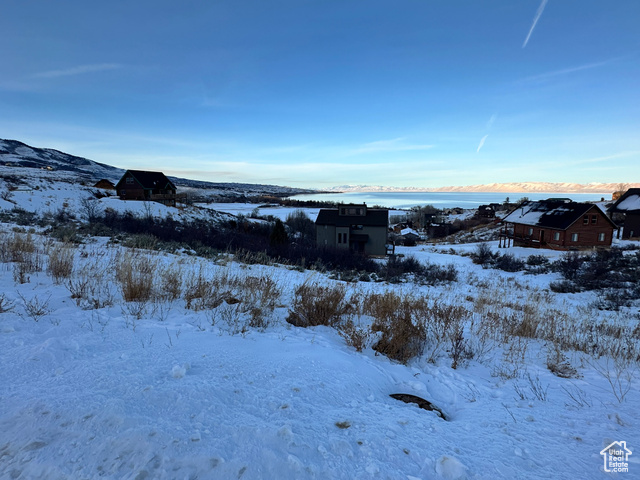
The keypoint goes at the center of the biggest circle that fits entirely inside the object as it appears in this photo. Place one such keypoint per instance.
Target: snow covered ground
(93, 386)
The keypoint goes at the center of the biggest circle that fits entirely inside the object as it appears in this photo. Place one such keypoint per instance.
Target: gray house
(354, 227)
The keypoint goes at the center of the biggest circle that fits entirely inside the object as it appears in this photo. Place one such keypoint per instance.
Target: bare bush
(403, 332)
(355, 336)
(558, 364)
(6, 305)
(170, 283)
(620, 374)
(15, 247)
(35, 308)
(200, 292)
(135, 273)
(60, 265)
(315, 304)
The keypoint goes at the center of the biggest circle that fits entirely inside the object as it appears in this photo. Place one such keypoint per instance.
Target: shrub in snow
(60, 263)
(483, 255)
(356, 337)
(403, 334)
(564, 286)
(509, 263)
(318, 305)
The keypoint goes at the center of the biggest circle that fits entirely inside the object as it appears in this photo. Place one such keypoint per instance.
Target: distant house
(354, 227)
(486, 211)
(627, 207)
(558, 224)
(143, 185)
(105, 184)
(409, 237)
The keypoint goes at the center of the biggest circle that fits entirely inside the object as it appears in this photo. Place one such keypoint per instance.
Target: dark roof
(375, 217)
(556, 213)
(150, 180)
(629, 202)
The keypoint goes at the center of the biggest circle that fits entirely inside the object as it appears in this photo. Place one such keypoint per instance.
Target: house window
(123, 192)
(585, 220)
(594, 219)
(601, 237)
(556, 236)
(530, 231)
(339, 238)
(574, 237)
(129, 180)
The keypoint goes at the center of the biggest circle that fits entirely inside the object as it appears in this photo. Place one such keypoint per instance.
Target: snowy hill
(18, 154)
(20, 160)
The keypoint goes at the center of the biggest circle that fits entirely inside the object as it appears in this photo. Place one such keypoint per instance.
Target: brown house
(143, 185)
(628, 208)
(105, 184)
(558, 224)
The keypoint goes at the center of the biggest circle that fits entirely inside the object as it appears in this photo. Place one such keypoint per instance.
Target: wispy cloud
(482, 140)
(535, 21)
(567, 71)
(79, 70)
(393, 145)
(491, 120)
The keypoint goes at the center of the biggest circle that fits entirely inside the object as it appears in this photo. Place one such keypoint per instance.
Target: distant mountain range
(17, 154)
(513, 187)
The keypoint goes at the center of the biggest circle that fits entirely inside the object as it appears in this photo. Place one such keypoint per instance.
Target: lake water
(442, 199)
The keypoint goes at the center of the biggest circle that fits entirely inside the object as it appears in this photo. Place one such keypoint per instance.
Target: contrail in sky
(481, 143)
(535, 20)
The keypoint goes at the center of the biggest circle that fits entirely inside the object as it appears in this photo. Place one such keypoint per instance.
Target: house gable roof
(556, 214)
(629, 202)
(149, 180)
(376, 217)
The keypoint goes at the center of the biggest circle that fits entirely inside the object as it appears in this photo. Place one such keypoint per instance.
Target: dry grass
(315, 304)
(135, 274)
(355, 336)
(400, 322)
(60, 265)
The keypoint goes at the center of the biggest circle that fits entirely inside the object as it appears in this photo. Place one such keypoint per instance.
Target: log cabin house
(558, 224)
(150, 186)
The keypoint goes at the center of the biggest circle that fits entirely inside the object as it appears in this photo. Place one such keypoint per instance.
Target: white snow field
(94, 386)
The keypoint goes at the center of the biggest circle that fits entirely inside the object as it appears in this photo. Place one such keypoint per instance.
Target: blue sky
(317, 93)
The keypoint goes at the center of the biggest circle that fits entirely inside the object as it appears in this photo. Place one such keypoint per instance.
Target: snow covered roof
(409, 231)
(553, 213)
(628, 202)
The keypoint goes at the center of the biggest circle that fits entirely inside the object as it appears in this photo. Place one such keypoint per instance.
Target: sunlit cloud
(79, 70)
(535, 21)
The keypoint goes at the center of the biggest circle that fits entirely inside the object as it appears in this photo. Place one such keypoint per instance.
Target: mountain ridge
(509, 187)
(14, 153)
